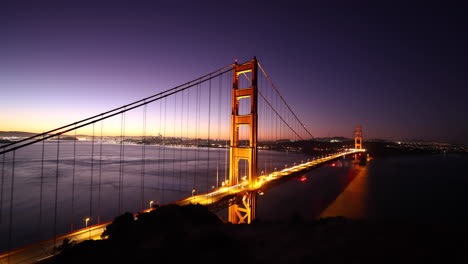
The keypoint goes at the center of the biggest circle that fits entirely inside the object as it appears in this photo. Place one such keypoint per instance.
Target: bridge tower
(357, 141)
(244, 212)
(358, 137)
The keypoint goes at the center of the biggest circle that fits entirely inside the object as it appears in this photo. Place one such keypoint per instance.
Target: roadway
(220, 193)
(45, 249)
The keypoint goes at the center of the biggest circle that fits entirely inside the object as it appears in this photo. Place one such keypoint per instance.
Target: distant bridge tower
(357, 141)
(245, 212)
(358, 137)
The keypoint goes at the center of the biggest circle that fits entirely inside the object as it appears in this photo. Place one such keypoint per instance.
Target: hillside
(191, 234)
(16, 134)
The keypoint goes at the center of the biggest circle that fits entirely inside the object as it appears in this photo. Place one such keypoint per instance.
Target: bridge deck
(223, 192)
(45, 249)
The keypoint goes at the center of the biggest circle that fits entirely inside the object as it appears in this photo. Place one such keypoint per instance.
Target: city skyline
(396, 70)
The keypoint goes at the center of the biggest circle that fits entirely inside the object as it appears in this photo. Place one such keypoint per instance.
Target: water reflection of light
(353, 200)
(302, 178)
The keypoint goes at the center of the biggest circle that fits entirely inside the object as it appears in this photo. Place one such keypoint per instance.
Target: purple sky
(398, 70)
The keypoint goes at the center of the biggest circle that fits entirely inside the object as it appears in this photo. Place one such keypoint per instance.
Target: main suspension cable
(115, 109)
(277, 91)
(266, 100)
(46, 136)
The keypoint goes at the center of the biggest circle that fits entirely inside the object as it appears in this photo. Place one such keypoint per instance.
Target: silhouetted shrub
(121, 228)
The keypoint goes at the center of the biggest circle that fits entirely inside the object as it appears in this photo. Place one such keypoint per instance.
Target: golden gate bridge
(218, 140)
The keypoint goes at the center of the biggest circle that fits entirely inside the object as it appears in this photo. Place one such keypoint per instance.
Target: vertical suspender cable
(1, 187)
(181, 141)
(41, 192)
(197, 104)
(120, 165)
(187, 133)
(261, 136)
(209, 128)
(228, 115)
(281, 131)
(266, 121)
(143, 159)
(268, 126)
(56, 190)
(174, 136)
(100, 175)
(12, 188)
(271, 120)
(91, 178)
(159, 150)
(268, 131)
(220, 91)
(272, 126)
(276, 122)
(123, 163)
(164, 149)
(73, 185)
(280, 128)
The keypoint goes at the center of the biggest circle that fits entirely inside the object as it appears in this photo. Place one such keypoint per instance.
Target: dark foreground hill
(191, 234)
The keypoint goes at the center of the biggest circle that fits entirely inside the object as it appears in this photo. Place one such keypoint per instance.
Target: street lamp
(193, 191)
(86, 222)
(151, 204)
